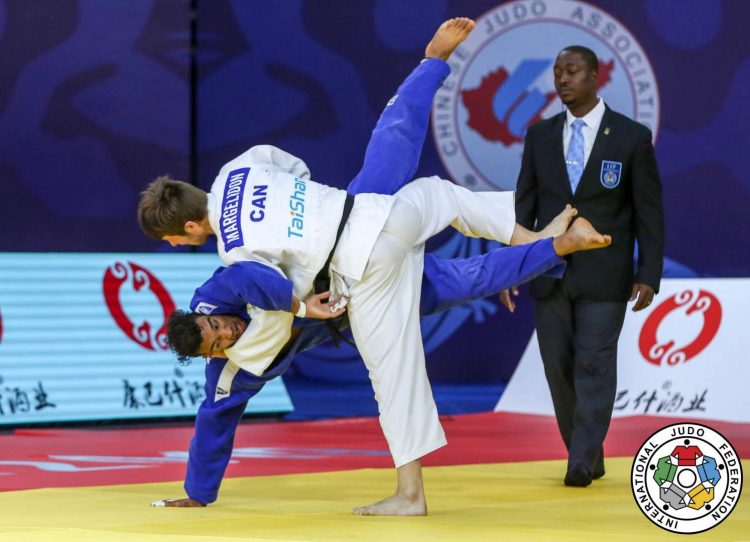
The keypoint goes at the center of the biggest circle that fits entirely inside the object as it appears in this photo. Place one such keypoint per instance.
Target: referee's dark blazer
(629, 211)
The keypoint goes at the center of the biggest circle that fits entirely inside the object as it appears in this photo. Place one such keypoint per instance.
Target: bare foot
(580, 236)
(448, 36)
(398, 505)
(560, 223)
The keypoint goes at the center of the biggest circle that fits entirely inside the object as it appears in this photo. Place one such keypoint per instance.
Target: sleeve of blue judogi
(393, 152)
(447, 283)
(215, 426)
(231, 288)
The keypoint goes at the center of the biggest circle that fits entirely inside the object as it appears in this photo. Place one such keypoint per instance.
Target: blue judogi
(390, 161)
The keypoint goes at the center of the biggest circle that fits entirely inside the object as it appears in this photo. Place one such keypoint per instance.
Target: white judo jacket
(263, 207)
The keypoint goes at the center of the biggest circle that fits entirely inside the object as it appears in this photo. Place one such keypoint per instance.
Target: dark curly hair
(183, 335)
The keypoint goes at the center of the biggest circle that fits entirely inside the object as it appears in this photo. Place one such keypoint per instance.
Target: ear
(192, 227)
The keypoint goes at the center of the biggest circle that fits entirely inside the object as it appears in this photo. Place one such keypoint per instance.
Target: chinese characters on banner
(683, 357)
(83, 337)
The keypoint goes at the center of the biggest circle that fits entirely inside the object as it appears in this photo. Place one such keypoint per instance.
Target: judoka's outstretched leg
(425, 207)
(392, 155)
(447, 283)
(395, 146)
(409, 497)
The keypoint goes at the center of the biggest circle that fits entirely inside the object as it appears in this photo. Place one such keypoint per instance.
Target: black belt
(322, 282)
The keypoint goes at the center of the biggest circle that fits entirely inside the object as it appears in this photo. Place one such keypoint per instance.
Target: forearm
(649, 214)
(213, 440)
(210, 451)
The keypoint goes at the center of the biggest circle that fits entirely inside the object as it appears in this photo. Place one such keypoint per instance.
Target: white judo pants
(384, 305)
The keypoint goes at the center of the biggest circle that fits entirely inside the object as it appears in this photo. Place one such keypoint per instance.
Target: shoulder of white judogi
(265, 336)
(249, 159)
(270, 156)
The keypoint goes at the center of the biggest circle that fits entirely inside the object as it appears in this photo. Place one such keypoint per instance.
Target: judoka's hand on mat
(323, 310)
(178, 503)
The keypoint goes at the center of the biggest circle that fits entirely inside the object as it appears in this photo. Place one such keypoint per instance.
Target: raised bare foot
(398, 505)
(448, 36)
(560, 223)
(580, 236)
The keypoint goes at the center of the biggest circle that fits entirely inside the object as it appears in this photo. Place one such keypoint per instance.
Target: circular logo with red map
(686, 478)
(152, 336)
(656, 343)
(501, 82)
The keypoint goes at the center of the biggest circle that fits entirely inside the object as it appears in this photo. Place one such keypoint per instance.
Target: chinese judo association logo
(501, 82)
(150, 337)
(661, 348)
(686, 478)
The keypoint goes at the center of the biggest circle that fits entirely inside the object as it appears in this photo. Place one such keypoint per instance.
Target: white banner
(83, 337)
(685, 356)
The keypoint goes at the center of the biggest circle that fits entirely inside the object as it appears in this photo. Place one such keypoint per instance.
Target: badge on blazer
(610, 174)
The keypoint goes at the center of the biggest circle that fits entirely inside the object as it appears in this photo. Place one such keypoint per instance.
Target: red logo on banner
(141, 278)
(657, 352)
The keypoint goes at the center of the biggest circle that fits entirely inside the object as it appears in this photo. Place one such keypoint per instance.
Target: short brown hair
(167, 204)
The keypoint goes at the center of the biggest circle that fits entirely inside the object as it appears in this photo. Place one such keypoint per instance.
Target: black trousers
(578, 343)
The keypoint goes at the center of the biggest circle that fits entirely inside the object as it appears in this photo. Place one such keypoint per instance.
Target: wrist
(302, 310)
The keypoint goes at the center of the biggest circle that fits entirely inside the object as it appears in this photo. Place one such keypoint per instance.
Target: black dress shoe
(577, 476)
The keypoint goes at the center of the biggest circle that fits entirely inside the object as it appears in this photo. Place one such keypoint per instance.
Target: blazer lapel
(593, 164)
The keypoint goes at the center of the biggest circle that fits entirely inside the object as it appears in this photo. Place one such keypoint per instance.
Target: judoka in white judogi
(261, 211)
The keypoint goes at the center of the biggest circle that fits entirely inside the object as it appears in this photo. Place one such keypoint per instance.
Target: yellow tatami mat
(504, 502)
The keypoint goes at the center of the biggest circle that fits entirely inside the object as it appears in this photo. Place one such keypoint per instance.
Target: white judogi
(263, 207)
(384, 305)
(377, 263)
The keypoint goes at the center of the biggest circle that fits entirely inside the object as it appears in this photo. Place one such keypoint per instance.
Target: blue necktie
(574, 159)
